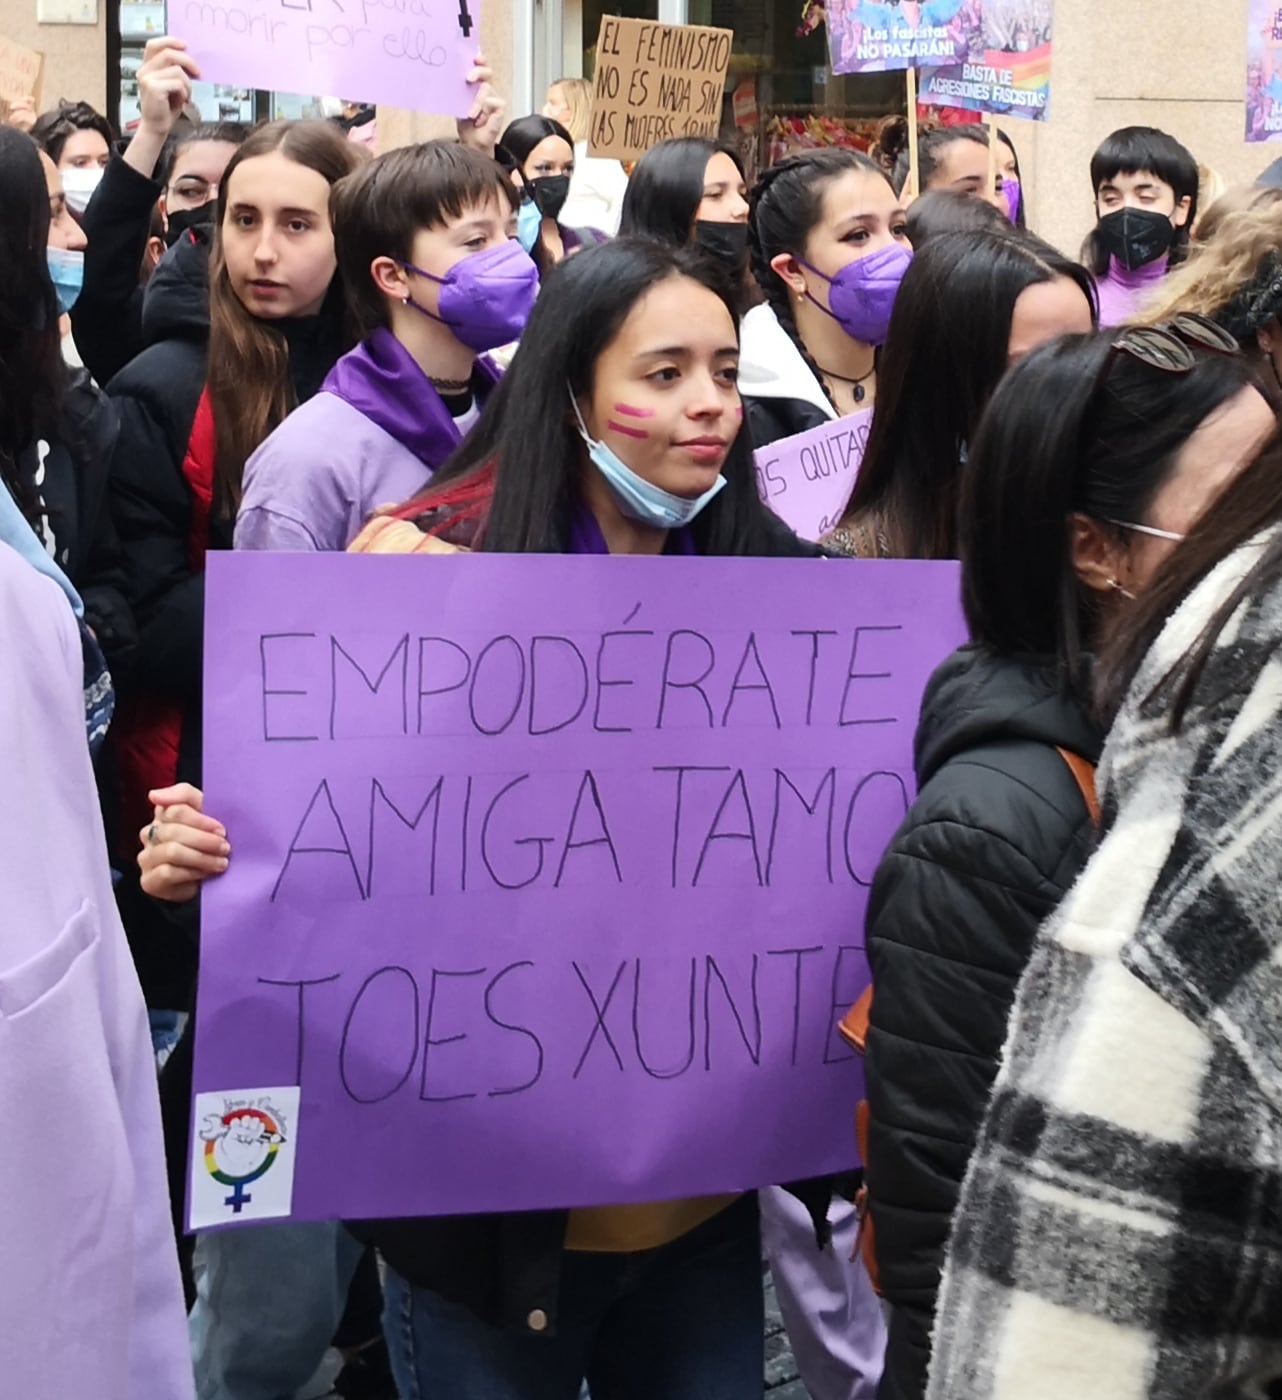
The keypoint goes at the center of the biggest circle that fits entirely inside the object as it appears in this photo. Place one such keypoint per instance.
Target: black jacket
(65, 474)
(152, 505)
(156, 396)
(107, 317)
(998, 833)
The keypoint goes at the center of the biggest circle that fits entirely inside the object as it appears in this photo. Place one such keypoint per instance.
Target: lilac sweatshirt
(1122, 293)
(90, 1295)
(372, 437)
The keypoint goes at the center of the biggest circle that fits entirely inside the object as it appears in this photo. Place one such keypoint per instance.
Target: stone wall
(1175, 64)
(75, 54)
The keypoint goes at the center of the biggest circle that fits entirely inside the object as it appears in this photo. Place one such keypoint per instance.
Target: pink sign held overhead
(549, 874)
(807, 479)
(405, 53)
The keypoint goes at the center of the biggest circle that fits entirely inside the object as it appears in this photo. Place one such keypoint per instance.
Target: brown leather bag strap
(853, 1026)
(1084, 773)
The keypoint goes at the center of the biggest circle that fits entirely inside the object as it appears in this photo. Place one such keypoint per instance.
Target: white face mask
(78, 185)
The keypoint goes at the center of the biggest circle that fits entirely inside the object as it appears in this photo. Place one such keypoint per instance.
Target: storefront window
(141, 20)
(592, 10)
(782, 96)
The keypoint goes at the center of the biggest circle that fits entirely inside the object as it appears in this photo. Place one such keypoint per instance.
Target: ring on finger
(153, 835)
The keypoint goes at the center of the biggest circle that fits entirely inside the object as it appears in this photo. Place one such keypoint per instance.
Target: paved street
(781, 1369)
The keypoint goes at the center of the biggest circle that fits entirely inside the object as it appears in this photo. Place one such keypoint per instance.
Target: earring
(1117, 587)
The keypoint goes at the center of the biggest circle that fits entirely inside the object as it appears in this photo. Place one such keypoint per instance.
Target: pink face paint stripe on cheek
(629, 412)
(625, 430)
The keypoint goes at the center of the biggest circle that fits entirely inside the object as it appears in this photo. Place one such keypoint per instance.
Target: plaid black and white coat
(1119, 1233)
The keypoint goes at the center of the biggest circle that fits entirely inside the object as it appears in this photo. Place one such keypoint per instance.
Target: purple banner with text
(405, 53)
(807, 479)
(549, 874)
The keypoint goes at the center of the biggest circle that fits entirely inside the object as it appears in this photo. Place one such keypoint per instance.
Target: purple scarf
(382, 380)
(586, 537)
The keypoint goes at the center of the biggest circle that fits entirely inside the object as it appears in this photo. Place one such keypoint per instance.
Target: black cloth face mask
(1135, 236)
(181, 220)
(728, 243)
(549, 193)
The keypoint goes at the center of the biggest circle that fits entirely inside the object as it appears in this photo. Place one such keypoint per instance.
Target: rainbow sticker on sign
(243, 1140)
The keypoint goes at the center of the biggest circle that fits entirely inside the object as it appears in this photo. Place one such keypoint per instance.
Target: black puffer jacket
(998, 833)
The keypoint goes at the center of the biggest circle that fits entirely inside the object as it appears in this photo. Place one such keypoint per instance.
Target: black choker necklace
(451, 386)
(846, 379)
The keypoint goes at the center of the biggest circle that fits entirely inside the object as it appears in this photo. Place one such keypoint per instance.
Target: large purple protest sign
(807, 479)
(549, 874)
(877, 36)
(406, 53)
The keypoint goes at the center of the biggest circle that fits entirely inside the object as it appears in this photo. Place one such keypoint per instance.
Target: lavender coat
(90, 1296)
(372, 437)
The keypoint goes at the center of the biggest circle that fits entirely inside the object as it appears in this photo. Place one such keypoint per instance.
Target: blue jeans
(268, 1300)
(684, 1321)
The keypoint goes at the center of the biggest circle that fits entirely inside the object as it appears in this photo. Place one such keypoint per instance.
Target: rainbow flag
(1007, 84)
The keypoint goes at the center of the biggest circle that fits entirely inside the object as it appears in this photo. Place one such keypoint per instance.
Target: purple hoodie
(372, 437)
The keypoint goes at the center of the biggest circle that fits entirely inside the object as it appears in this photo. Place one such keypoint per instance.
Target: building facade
(1176, 64)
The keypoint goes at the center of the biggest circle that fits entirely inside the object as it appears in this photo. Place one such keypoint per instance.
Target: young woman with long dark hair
(544, 471)
(1067, 478)
(828, 246)
(57, 430)
(598, 185)
(1117, 1233)
(971, 305)
(691, 190)
(539, 154)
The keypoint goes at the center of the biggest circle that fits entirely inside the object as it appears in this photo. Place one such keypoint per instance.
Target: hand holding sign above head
(164, 89)
(481, 127)
(21, 113)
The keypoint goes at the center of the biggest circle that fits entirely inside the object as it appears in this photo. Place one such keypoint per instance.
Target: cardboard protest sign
(20, 69)
(1264, 70)
(654, 81)
(878, 36)
(807, 479)
(549, 874)
(405, 53)
(1005, 68)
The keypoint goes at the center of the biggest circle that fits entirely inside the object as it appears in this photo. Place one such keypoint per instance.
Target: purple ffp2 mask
(862, 295)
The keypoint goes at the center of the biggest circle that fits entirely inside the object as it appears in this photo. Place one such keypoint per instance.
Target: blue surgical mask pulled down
(636, 497)
(67, 271)
(528, 223)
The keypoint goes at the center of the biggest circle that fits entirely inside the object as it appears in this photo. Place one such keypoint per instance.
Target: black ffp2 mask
(177, 223)
(549, 193)
(728, 243)
(1135, 236)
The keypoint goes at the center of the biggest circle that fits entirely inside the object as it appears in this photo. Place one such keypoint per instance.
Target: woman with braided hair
(828, 244)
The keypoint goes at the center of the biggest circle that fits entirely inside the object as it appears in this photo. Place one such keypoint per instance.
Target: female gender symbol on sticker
(241, 1147)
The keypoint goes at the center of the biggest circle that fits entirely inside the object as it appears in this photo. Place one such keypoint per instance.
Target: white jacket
(597, 188)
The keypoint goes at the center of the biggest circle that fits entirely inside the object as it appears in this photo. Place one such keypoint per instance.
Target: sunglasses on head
(1172, 346)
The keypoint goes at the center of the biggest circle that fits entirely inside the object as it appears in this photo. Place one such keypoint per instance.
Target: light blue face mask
(636, 497)
(67, 271)
(528, 223)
